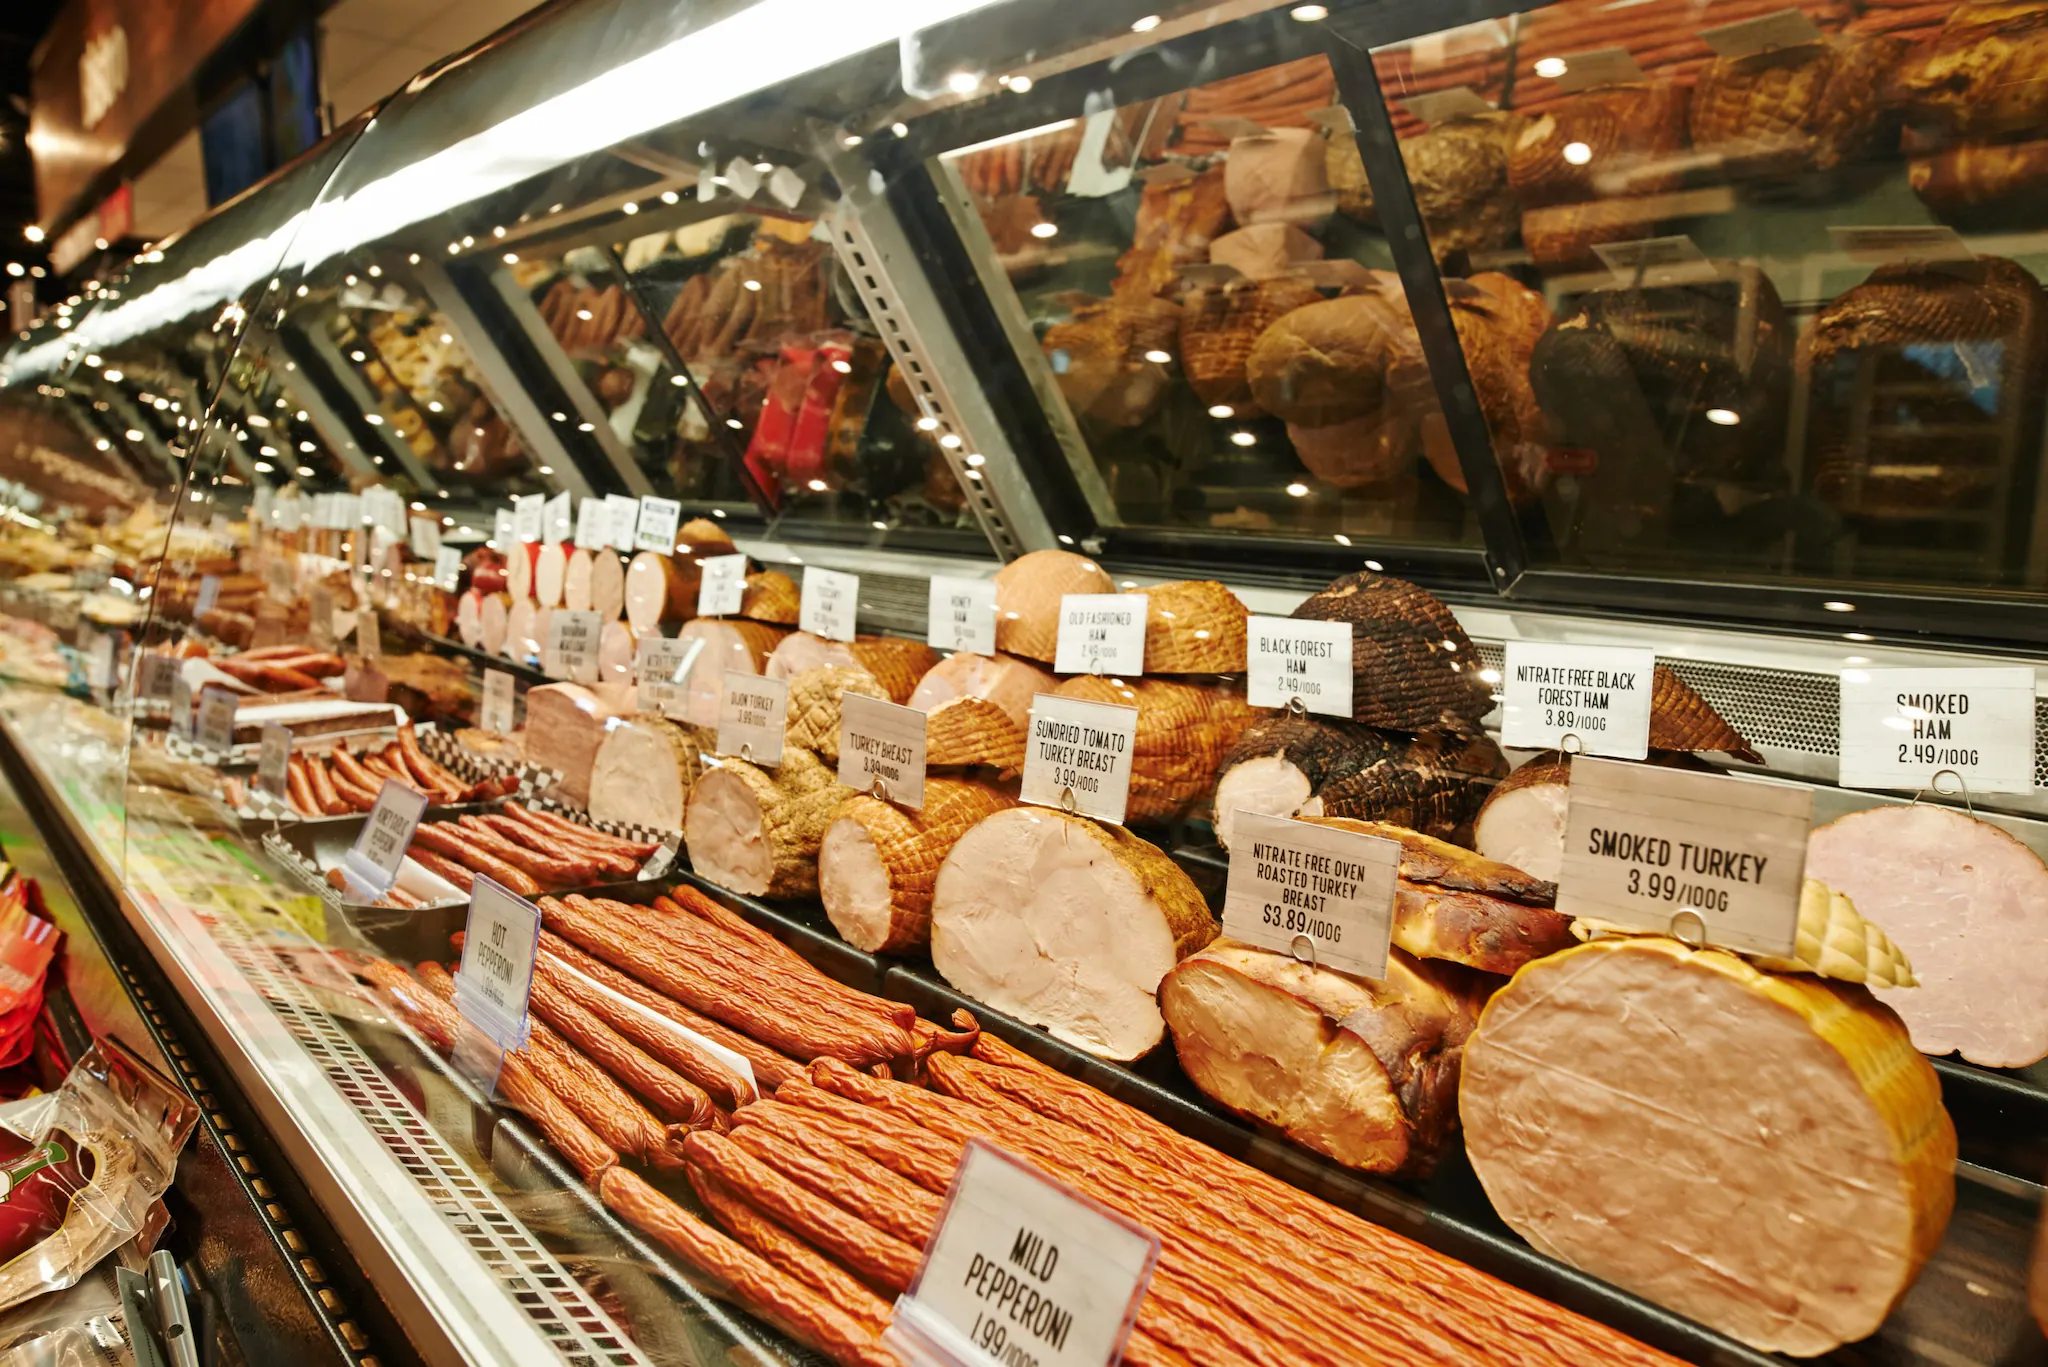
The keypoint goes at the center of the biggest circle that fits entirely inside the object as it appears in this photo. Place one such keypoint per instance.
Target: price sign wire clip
(1304, 951)
(878, 790)
(1296, 707)
(1067, 802)
(747, 751)
(1571, 743)
(1962, 789)
(1679, 935)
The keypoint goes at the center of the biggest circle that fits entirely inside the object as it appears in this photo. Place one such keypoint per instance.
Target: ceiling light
(559, 417)
(433, 405)
(927, 424)
(977, 459)
(850, 140)
(104, 445)
(670, 197)
(1837, 605)
(960, 83)
(93, 361)
(376, 271)
(735, 424)
(1550, 67)
(584, 314)
(255, 419)
(468, 241)
(308, 447)
(305, 472)
(16, 268)
(358, 357)
(374, 419)
(764, 167)
(879, 526)
(950, 442)
(348, 280)
(678, 380)
(1221, 410)
(1343, 540)
(629, 207)
(751, 284)
(266, 450)
(454, 247)
(1145, 25)
(1243, 438)
(583, 427)
(498, 231)
(414, 258)
(132, 434)
(33, 233)
(1309, 14)
(511, 258)
(447, 339)
(1375, 566)
(1577, 153)
(842, 367)
(113, 377)
(1298, 490)
(1723, 417)
(1045, 230)
(1158, 357)
(264, 467)
(818, 486)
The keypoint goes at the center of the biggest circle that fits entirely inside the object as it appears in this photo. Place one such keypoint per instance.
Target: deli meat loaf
(1968, 905)
(896, 662)
(740, 646)
(1028, 593)
(1286, 764)
(1764, 1153)
(1065, 924)
(1193, 626)
(1005, 680)
(878, 862)
(1523, 820)
(757, 832)
(814, 710)
(642, 774)
(972, 732)
(565, 723)
(771, 596)
(1361, 1071)
(1412, 663)
(1681, 719)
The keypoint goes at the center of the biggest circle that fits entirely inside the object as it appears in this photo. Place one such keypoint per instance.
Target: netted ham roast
(1985, 74)
(1808, 108)
(967, 731)
(729, 644)
(1594, 168)
(1193, 626)
(1004, 680)
(1098, 357)
(1218, 326)
(1412, 663)
(1680, 719)
(1459, 173)
(1958, 345)
(1499, 321)
(815, 708)
(1981, 186)
(1183, 732)
(1028, 593)
(1632, 373)
(896, 662)
(1361, 1071)
(878, 862)
(1286, 764)
(1178, 217)
(771, 596)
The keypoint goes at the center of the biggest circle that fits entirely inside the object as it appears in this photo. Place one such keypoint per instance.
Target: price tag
(496, 712)
(1079, 756)
(495, 979)
(1676, 852)
(555, 519)
(962, 615)
(753, 712)
(273, 761)
(1600, 66)
(426, 537)
(1022, 1269)
(572, 645)
(1322, 894)
(882, 744)
(830, 603)
(1441, 106)
(528, 514)
(501, 529)
(661, 672)
(723, 586)
(391, 513)
(1672, 260)
(278, 580)
(182, 718)
(1884, 246)
(1766, 33)
(99, 660)
(1295, 658)
(215, 729)
(159, 672)
(1973, 727)
(374, 860)
(655, 528)
(1599, 694)
(447, 568)
(209, 594)
(369, 635)
(1101, 633)
(625, 520)
(348, 512)
(593, 524)
(320, 617)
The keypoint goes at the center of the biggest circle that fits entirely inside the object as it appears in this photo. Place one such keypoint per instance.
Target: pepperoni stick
(323, 787)
(670, 1095)
(526, 837)
(424, 765)
(790, 1253)
(442, 839)
(447, 868)
(547, 867)
(298, 789)
(638, 849)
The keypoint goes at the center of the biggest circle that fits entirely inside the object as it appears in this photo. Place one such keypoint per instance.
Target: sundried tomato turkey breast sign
(1022, 1269)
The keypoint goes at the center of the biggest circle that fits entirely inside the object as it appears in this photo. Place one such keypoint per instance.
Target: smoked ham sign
(1958, 730)
(1702, 857)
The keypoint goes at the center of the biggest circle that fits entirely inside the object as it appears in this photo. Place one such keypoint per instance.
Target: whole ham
(1005, 680)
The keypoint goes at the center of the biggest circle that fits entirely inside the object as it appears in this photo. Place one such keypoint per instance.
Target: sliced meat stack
(757, 832)
(879, 862)
(1066, 924)
(1285, 765)
(1968, 904)
(1764, 1153)
(1360, 1071)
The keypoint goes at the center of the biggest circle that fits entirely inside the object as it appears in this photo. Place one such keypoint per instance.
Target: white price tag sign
(375, 858)
(1078, 756)
(881, 749)
(593, 524)
(369, 635)
(320, 617)
(1322, 894)
(159, 673)
(1101, 633)
(215, 730)
(426, 537)
(1022, 1269)
(572, 645)
(501, 529)
(273, 761)
(1599, 694)
(528, 515)
(182, 718)
(655, 528)
(753, 713)
(495, 979)
(830, 603)
(209, 594)
(661, 670)
(1903, 727)
(496, 712)
(447, 568)
(278, 579)
(555, 519)
(1293, 658)
(962, 615)
(624, 516)
(723, 586)
(1676, 852)
(99, 660)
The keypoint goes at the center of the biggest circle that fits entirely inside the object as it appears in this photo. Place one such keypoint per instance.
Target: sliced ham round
(1523, 820)
(1005, 680)
(519, 569)
(729, 644)
(642, 774)
(616, 644)
(1028, 593)
(607, 585)
(659, 591)
(550, 565)
(1066, 924)
(879, 863)
(1764, 1153)
(565, 724)
(1968, 905)
(519, 641)
(576, 581)
(469, 619)
(757, 832)
(494, 621)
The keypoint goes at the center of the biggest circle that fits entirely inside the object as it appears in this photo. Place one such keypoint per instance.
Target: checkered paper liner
(658, 864)
(191, 752)
(450, 754)
(315, 879)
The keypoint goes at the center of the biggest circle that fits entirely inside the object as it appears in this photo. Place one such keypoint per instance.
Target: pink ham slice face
(615, 650)
(550, 567)
(469, 619)
(576, 581)
(607, 585)
(800, 651)
(494, 623)
(1005, 680)
(1969, 906)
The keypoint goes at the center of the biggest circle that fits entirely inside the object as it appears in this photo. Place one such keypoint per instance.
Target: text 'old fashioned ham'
(879, 862)
(1764, 1153)
(1066, 924)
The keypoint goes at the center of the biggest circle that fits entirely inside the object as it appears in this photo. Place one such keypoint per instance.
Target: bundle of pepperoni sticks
(337, 782)
(282, 669)
(526, 851)
(818, 1194)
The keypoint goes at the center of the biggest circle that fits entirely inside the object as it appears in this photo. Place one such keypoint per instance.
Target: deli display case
(853, 538)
